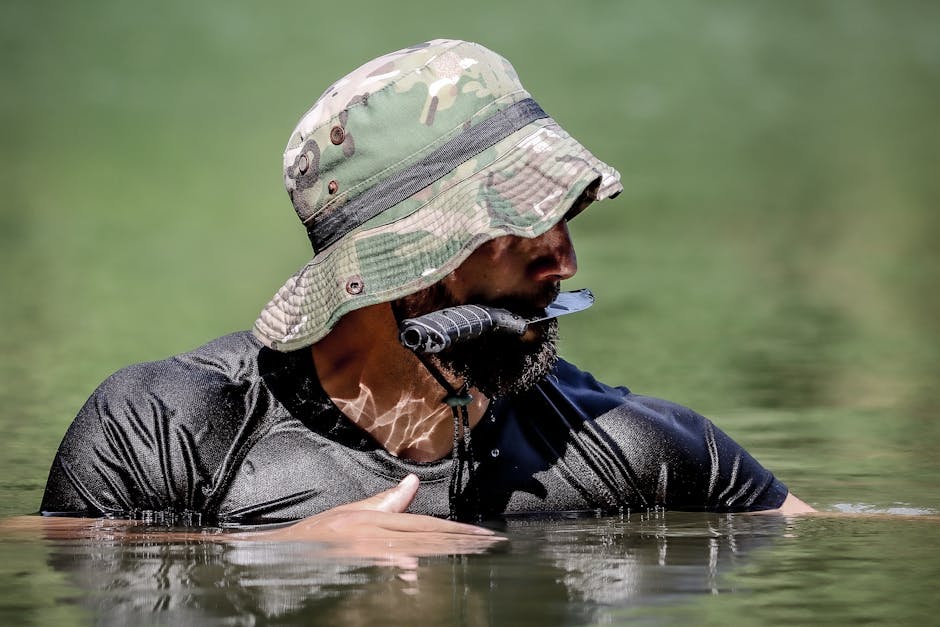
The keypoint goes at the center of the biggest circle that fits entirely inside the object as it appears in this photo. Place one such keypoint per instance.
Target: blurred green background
(771, 263)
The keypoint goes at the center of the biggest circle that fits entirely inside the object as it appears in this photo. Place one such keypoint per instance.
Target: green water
(772, 263)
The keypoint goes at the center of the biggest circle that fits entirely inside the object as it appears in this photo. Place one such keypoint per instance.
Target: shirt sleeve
(124, 453)
(679, 460)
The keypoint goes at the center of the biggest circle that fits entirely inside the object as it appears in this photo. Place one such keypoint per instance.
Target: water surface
(663, 567)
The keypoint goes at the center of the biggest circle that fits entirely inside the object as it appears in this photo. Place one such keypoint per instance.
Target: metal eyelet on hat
(355, 286)
(337, 135)
(332, 186)
(303, 164)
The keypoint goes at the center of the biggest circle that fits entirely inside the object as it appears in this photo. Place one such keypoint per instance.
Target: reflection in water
(177, 583)
(551, 570)
(614, 563)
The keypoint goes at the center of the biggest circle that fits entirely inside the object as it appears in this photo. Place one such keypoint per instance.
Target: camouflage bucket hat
(405, 166)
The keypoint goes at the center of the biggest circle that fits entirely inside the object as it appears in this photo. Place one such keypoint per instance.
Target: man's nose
(555, 257)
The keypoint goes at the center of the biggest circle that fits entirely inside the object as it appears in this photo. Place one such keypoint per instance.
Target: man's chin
(497, 365)
(500, 365)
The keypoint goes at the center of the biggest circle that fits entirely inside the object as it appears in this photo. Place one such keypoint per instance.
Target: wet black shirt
(236, 432)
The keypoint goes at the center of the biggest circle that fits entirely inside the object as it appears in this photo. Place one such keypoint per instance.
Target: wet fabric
(236, 432)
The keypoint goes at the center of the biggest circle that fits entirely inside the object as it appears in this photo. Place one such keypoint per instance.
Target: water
(772, 263)
(662, 568)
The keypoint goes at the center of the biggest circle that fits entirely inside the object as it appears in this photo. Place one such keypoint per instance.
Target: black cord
(458, 400)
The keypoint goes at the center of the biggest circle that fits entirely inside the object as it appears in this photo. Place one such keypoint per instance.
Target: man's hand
(379, 525)
(793, 505)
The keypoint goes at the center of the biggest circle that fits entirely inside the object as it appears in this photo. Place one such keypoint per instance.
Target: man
(427, 178)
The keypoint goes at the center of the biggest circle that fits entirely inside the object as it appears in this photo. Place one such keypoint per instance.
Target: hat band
(410, 181)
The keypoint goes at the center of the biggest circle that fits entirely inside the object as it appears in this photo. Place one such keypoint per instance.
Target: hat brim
(523, 186)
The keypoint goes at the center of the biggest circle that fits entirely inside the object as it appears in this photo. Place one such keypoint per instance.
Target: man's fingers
(391, 505)
(394, 500)
(390, 521)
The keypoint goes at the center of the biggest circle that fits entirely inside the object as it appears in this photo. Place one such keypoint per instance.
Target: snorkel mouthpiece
(435, 331)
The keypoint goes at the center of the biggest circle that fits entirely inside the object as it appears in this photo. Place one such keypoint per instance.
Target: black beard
(496, 364)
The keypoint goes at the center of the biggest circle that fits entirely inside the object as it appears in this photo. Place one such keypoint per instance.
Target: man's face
(515, 273)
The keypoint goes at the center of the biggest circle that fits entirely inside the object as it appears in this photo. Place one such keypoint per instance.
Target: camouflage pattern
(379, 120)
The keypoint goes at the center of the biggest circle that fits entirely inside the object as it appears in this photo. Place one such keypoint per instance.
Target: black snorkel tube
(435, 331)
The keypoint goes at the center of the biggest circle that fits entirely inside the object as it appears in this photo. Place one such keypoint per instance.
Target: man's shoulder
(670, 453)
(568, 386)
(598, 400)
(221, 354)
(566, 374)
(223, 362)
(153, 433)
